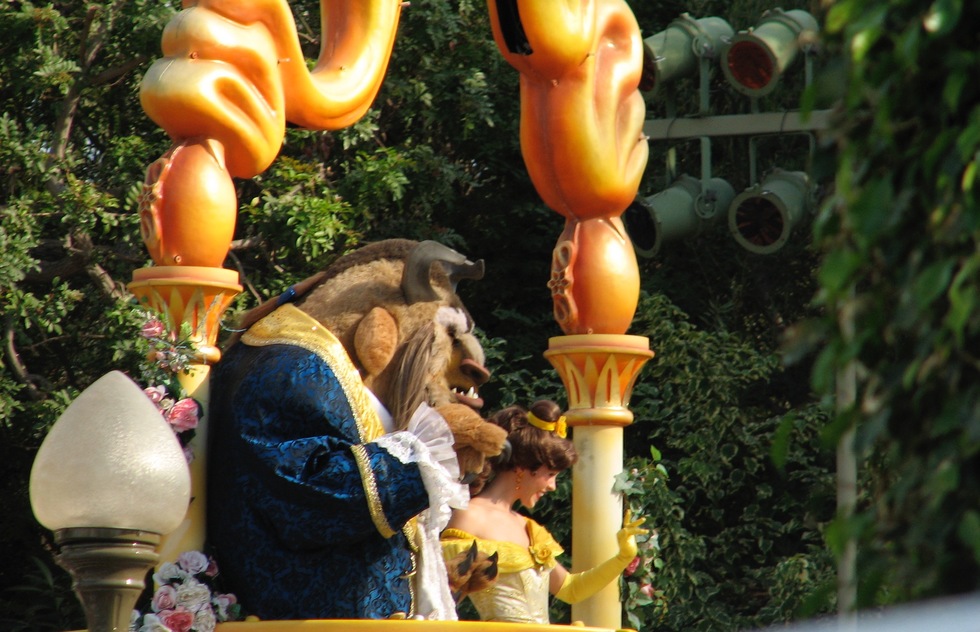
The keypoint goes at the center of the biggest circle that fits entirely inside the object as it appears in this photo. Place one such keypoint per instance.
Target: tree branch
(63, 268)
(81, 243)
(245, 244)
(111, 74)
(17, 366)
(244, 277)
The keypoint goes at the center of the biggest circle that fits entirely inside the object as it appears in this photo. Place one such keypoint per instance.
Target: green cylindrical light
(762, 217)
(678, 212)
(755, 59)
(674, 52)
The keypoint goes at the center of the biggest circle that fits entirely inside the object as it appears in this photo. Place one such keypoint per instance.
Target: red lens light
(759, 222)
(750, 64)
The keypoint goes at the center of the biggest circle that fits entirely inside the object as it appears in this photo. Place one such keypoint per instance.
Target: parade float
(231, 77)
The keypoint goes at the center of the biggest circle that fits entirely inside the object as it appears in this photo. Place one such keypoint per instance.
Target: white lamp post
(109, 479)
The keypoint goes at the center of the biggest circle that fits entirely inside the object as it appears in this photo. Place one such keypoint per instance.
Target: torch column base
(599, 371)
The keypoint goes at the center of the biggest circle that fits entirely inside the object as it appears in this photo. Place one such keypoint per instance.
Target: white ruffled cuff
(428, 442)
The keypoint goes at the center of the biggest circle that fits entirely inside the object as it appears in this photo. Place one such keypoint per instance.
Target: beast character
(331, 467)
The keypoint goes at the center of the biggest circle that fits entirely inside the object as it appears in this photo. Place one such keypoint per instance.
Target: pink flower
(153, 329)
(223, 601)
(183, 415)
(155, 393)
(165, 598)
(632, 566)
(226, 599)
(179, 620)
(212, 570)
(647, 590)
(193, 562)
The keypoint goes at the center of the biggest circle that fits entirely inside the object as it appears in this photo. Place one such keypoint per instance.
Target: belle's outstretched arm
(575, 587)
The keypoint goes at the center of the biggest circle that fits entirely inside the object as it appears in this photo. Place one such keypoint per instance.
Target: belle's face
(536, 484)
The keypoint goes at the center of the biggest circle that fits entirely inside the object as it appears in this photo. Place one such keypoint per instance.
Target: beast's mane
(389, 249)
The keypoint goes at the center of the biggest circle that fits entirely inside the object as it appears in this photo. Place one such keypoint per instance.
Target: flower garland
(170, 352)
(638, 577)
(185, 600)
(168, 355)
(183, 415)
(643, 603)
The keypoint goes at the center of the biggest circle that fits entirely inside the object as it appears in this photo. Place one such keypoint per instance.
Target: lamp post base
(108, 569)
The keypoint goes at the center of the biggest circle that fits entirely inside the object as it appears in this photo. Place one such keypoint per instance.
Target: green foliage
(67, 88)
(899, 289)
(739, 536)
(298, 217)
(44, 602)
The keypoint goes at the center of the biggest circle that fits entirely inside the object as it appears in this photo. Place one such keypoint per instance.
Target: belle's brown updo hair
(532, 447)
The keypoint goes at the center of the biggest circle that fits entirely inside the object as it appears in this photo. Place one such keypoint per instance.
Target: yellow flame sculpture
(583, 144)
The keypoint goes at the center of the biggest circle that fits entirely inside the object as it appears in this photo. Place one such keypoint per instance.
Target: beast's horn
(416, 283)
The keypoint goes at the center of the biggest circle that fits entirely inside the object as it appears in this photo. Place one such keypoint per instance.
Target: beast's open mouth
(470, 398)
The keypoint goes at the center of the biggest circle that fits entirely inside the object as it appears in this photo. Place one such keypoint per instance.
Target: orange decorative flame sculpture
(232, 74)
(582, 139)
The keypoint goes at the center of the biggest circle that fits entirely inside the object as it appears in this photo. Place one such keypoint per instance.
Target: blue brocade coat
(307, 518)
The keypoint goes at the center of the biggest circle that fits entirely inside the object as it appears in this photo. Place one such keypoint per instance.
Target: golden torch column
(598, 371)
(187, 216)
(582, 141)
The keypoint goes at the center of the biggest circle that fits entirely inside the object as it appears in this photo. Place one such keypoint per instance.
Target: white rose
(204, 620)
(168, 573)
(193, 562)
(193, 595)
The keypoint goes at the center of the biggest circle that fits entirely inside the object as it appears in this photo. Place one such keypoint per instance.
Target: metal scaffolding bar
(754, 124)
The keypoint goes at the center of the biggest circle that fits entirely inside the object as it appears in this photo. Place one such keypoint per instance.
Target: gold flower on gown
(542, 554)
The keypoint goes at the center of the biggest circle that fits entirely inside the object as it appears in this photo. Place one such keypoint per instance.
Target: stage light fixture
(680, 211)
(755, 59)
(763, 216)
(675, 51)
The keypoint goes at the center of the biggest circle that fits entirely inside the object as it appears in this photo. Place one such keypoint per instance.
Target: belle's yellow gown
(520, 593)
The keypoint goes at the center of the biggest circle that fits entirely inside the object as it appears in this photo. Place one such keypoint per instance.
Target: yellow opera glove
(579, 586)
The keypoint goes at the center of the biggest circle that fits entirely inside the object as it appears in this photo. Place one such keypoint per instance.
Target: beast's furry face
(409, 346)
(462, 372)
(440, 363)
